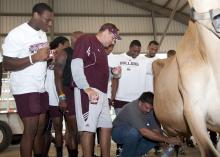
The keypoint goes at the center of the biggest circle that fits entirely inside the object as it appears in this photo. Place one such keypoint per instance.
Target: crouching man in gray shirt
(130, 129)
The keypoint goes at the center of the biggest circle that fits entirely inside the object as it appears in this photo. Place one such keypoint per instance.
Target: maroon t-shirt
(95, 61)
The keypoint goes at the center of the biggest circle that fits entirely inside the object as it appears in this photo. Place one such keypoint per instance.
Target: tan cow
(187, 86)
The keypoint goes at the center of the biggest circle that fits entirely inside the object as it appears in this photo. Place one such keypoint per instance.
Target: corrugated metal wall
(18, 6)
(91, 24)
(95, 6)
(88, 15)
(173, 3)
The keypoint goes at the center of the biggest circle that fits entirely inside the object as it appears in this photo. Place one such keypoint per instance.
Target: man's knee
(30, 126)
(132, 136)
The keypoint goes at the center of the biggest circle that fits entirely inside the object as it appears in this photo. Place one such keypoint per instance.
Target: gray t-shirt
(131, 115)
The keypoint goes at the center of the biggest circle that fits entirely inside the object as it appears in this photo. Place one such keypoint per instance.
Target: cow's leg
(195, 115)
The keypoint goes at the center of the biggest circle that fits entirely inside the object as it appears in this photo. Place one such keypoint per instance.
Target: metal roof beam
(180, 17)
(167, 3)
(183, 7)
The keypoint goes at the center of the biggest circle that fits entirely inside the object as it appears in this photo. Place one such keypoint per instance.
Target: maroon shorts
(55, 111)
(31, 104)
(119, 104)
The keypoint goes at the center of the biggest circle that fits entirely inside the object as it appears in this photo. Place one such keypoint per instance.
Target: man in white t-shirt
(25, 52)
(150, 56)
(132, 82)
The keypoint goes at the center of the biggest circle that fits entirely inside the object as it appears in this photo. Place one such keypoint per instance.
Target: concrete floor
(13, 151)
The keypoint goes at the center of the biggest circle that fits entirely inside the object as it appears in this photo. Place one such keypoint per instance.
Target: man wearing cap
(90, 73)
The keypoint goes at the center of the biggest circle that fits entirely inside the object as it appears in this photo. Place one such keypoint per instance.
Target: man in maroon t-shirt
(90, 73)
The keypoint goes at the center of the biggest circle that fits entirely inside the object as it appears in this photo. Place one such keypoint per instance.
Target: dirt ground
(13, 151)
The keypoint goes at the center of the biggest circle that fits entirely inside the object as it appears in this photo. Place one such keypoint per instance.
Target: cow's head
(212, 15)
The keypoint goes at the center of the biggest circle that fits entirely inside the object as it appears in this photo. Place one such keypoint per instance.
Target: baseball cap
(112, 28)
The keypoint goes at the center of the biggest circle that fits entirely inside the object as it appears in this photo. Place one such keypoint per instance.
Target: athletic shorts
(119, 103)
(32, 104)
(92, 116)
(55, 111)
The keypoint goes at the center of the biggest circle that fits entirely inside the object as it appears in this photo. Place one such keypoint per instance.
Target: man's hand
(111, 102)
(93, 95)
(174, 140)
(41, 55)
(63, 106)
(116, 72)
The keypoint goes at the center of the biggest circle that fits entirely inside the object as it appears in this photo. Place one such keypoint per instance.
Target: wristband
(62, 97)
(30, 59)
(62, 94)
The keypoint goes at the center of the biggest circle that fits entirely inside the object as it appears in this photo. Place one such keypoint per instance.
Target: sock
(72, 152)
(59, 151)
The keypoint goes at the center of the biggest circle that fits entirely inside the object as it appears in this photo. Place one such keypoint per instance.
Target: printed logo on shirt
(88, 51)
(149, 73)
(129, 63)
(35, 47)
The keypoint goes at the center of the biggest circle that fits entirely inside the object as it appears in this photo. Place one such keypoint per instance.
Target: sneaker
(182, 150)
(118, 151)
(190, 143)
(158, 150)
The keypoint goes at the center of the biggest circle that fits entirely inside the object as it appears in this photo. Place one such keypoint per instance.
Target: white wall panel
(18, 6)
(95, 7)
(92, 24)
(9, 22)
(175, 27)
(169, 42)
(132, 24)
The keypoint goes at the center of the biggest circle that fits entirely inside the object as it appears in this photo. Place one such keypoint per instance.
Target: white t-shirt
(149, 78)
(17, 44)
(51, 88)
(133, 77)
(111, 63)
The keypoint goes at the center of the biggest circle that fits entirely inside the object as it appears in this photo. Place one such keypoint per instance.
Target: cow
(187, 85)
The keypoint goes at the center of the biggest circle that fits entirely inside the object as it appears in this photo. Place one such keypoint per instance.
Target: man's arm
(116, 74)
(115, 82)
(80, 78)
(15, 64)
(156, 136)
(60, 62)
(78, 73)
